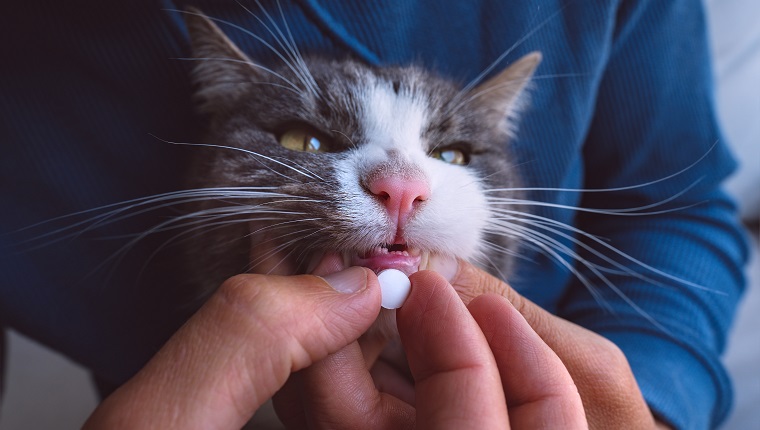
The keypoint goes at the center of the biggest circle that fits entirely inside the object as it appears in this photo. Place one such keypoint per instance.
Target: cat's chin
(400, 257)
(265, 257)
(406, 260)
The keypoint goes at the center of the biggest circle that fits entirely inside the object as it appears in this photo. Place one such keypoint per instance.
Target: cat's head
(382, 167)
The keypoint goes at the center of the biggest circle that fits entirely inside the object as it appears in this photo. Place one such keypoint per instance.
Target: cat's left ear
(501, 95)
(222, 72)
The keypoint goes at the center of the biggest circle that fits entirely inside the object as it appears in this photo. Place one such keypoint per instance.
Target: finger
(610, 394)
(337, 392)
(324, 395)
(341, 394)
(288, 401)
(457, 384)
(394, 381)
(469, 281)
(539, 391)
(372, 346)
(242, 345)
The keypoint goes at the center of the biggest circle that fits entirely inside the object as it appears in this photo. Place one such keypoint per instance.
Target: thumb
(241, 347)
(302, 317)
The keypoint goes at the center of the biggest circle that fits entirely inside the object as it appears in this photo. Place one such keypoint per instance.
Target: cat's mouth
(390, 256)
(399, 256)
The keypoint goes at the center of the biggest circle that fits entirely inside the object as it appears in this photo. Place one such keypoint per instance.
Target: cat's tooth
(424, 259)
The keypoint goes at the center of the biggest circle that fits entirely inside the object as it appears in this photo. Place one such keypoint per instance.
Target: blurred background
(44, 390)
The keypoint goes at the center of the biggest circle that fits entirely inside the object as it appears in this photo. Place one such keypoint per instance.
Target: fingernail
(351, 280)
(444, 266)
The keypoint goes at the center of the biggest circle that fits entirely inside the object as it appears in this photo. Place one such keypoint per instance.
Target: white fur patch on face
(393, 121)
(451, 221)
(455, 216)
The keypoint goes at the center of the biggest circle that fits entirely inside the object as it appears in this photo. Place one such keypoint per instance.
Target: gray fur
(248, 105)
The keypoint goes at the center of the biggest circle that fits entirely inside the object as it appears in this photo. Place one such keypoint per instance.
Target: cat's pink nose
(400, 195)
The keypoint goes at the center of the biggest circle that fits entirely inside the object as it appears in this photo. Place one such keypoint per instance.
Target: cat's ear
(222, 71)
(501, 95)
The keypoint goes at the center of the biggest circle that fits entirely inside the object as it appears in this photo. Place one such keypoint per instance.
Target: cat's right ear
(222, 71)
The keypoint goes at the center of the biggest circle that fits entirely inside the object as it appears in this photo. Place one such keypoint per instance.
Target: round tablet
(395, 287)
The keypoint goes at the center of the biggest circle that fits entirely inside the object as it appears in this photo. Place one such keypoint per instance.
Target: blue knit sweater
(623, 98)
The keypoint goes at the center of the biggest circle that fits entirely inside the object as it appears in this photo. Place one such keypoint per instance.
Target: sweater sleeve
(654, 124)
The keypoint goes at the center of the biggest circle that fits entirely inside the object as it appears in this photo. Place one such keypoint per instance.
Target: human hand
(480, 366)
(610, 394)
(240, 348)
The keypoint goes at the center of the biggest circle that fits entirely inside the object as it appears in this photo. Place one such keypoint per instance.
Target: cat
(315, 158)
(382, 167)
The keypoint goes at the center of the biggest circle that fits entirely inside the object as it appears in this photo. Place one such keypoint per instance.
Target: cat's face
(381, 167)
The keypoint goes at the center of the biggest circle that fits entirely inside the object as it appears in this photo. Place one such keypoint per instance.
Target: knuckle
(250, 299)
(472, 282)
(609, 391)
(611, 355)
(243, 289)
(608, 367)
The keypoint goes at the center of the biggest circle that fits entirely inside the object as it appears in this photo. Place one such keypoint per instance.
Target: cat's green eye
(302, 141)
(451, 156)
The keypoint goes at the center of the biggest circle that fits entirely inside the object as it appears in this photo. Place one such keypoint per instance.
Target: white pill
(395, 287)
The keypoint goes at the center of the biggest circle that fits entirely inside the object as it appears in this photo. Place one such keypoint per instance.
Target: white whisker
(293, 87)
(281, 246)
(547, 223)
(479, 78)
(347, 138)
(473, 96)
(617, 189)
(486, 261)
(311, 172)
(258, 38)
(636, 211)
(607, 246)
(133, 208)
(548, 246)
(246, 151)
(289, 45)
(548, 243)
